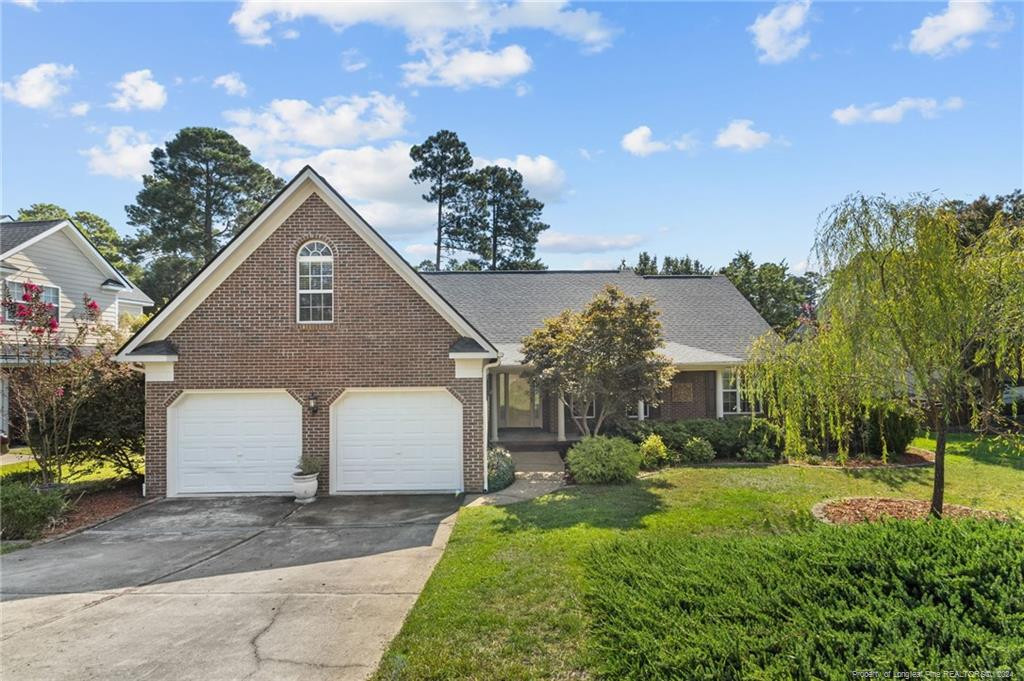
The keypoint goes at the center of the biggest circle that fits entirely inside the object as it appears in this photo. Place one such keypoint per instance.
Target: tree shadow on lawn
(621, 507)
(893, 478)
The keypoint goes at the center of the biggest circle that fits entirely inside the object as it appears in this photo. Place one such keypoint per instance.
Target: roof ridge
(431, 272)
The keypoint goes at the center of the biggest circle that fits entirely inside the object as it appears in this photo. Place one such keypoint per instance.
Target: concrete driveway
(227, 588)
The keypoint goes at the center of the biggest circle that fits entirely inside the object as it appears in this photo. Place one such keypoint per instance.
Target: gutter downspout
(487, 412)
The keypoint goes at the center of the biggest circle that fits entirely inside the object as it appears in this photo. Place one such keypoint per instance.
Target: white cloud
(468, 68)
(80, 108)
(778, 34)
(640, 142)
(740, 134)
(541, 174)
(522, 89)
(421, 250)
(288, 126)
(452, 37)
(433, 23)
(232, 84)
(376, 181)
(352, 60)
(138, 90)
(874, 113)
(289, 34)
(126, 154)
(565, 242)
(952, 30)
(39, 87)
(28, 4)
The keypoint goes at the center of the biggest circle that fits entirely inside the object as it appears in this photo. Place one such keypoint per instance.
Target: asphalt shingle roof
(704, 319)
(13, 234)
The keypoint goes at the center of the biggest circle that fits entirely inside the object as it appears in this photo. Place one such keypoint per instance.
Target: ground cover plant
(892, 597)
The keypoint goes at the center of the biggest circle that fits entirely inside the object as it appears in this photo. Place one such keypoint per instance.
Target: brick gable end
(245, 336)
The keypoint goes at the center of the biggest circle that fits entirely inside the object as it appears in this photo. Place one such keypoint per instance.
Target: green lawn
(104, 472)
(505, 601)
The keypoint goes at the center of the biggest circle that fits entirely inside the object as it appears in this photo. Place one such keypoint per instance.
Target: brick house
(309, 333)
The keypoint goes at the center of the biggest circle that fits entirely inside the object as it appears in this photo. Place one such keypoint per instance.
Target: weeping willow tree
(910, 319)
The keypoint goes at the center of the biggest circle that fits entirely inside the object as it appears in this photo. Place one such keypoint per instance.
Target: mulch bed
(96, 506)
(873, 509)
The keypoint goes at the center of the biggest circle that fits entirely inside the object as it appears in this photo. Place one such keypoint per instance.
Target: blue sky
(684, 128)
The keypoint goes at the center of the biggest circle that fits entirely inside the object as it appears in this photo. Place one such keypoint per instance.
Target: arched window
(316, 283)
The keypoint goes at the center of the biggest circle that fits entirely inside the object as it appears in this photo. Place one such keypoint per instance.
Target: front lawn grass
(103, 472)
(506, 601)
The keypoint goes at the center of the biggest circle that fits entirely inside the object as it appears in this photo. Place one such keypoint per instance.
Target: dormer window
(315, 283)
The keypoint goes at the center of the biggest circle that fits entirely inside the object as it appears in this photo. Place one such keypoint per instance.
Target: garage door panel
(230, 443)
(395, 441)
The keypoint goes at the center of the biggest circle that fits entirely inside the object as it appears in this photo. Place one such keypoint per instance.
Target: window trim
(591, 411)
(10, 280)
(299, 259)
(632, 414)
(738, 390)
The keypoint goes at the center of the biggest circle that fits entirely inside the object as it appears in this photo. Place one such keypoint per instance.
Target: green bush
(728, 437)
(501, 470)
(25, 511)
(756, 451)
(695, 450)
(819, 604)
(899, 427)
(596, 460)
(653, 452)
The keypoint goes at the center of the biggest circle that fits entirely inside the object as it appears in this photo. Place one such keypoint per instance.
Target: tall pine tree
(203, 188)
(442, 161)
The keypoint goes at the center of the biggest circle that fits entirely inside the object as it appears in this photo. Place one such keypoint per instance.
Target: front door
(519, 402)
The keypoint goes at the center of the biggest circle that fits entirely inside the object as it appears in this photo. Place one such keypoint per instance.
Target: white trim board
(304, 185)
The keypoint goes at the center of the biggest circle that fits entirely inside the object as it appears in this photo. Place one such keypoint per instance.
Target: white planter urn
(304, 487)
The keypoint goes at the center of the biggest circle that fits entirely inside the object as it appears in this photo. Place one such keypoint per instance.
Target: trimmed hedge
(896, 596)
(25, 511)
(597, 460)
(501, 470)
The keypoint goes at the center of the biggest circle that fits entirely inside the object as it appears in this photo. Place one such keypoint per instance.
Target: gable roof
(235, 251)
(705, 319)
(16, 236)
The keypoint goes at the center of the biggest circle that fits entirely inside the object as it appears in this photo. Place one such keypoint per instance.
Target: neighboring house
(309, 333)
(55, 255)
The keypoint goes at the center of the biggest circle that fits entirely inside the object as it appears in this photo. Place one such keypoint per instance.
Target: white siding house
(54, 254)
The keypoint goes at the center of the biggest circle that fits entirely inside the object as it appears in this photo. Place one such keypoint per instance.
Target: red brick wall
(244, 335)
(701, 406)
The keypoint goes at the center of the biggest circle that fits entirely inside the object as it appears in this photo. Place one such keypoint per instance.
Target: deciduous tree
(605, 355)
(910, 312)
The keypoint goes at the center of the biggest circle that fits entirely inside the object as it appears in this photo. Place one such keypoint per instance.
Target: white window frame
(591, 411)
(299, 259)
(8, 282)
(738, 390)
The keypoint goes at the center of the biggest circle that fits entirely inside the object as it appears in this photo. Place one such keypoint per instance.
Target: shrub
(653, 452)
(501, 470)
(596, 460)
(814, 604)
(695, 450)
(756, 451)
(25, 511)
(899, 428)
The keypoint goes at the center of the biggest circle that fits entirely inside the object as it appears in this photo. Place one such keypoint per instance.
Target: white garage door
(234, 443)
(401, 440)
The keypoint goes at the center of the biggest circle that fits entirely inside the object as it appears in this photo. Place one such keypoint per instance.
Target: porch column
(561, 418)
(494, 407)
(718, 394)
(640, 410)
